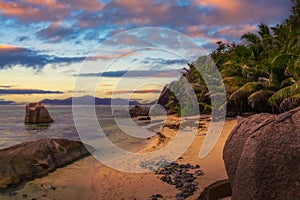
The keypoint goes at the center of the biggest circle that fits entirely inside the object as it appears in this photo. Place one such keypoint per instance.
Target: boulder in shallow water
(29, 160)
(138, 111)
(37, 113)
(262, 157)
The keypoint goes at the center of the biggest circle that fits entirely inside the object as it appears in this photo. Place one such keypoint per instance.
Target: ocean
(14, 131)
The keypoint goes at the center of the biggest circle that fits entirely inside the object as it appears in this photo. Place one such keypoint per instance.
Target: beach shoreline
(87, 178)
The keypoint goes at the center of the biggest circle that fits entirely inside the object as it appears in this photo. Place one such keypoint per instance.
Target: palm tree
(261, 74)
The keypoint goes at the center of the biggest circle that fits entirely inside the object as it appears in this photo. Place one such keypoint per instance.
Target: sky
(56, 49)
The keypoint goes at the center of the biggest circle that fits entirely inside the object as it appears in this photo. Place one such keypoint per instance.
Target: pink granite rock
(37, 113)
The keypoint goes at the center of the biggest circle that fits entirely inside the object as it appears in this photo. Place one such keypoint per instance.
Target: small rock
(198, 172)
(156, 196)
(12, 194)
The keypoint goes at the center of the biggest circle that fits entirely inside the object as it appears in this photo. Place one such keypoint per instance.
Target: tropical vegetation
(260, 74)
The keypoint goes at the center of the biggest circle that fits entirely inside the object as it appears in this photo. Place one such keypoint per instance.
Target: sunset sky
(43, 43)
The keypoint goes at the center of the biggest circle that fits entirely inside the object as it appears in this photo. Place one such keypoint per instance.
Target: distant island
(4, 102)
(85, 99)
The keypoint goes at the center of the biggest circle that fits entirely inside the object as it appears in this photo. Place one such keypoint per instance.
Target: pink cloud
(240, 11)
(228, 5)
(46, 10)
(237, 31)
(196, 31)
(46, 3)
(29, 12)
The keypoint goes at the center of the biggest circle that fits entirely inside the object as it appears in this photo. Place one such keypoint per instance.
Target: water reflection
(36, 128)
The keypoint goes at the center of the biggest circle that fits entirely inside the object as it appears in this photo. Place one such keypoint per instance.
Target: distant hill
(84, 100)
(3, 102)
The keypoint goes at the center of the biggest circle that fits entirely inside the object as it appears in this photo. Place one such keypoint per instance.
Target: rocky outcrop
(262, 157)
(37, 113)
(217, 190)
(163, 99)
(33, 159)
(138, 111)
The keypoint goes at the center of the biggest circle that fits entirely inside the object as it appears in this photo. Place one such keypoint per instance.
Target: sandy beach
(89, 179)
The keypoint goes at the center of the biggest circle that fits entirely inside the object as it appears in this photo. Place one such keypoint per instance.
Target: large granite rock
(217, 190)
(138, 111)
(163, 98)
(33, 159)
(37, 113)
(262, 157)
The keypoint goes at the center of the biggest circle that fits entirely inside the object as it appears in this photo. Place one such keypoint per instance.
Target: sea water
(13, 130)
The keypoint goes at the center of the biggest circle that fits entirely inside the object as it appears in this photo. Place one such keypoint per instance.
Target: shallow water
(14, 131)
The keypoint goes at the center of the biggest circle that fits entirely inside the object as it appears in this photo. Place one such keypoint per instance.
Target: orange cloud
(7, 47)
(106, 85)
(220, 4)
(33, 12)
(117, 54)
(12, 9)
(46, 10)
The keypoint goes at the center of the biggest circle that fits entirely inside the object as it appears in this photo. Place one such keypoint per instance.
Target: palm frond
(260, 97)
(247, 89)
(276, 99)
(290, 103)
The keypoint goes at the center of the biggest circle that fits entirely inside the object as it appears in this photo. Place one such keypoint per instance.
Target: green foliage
(261, 72)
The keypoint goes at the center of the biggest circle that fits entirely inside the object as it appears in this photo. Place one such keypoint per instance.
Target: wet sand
(89, 179)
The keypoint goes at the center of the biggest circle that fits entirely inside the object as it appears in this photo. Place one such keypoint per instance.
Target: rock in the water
(138, 111)
(217, 190)
(144, 118)
(262, 157)
(33, 159)
(37, 113)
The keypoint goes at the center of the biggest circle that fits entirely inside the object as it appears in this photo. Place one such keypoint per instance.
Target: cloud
(232, 12)
(22, 38)
(6, 86)
(83, 21)
(56, 32)
(106, 85)
(133, 92)
(109, 56)
(198, 18)
(237, 31)
(162, 61)
(27, 11)
(12, 55)
(133, 14)
(134, 74)
(48, 10)
(27, 91)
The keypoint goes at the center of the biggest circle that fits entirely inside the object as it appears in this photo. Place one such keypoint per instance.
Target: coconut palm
(261, 73)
